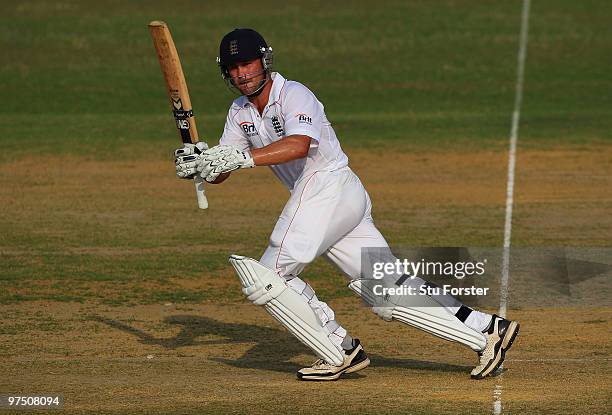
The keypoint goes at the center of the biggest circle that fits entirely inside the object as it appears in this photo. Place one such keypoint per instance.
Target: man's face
(247, 76)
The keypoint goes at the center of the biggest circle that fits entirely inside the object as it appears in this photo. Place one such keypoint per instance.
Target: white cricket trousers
(329, 213)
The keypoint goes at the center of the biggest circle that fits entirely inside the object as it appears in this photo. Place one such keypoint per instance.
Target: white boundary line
(516, 116)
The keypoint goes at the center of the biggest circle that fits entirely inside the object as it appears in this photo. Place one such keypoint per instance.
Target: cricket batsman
(281, 124)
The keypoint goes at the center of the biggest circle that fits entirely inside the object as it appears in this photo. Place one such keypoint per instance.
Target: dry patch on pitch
(227, 357)
(563, 196)
(415, 196)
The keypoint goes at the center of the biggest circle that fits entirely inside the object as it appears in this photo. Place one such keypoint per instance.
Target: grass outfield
(83, 76)
(105, 259)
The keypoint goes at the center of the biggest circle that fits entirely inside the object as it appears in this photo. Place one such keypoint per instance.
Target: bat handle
(199, 185)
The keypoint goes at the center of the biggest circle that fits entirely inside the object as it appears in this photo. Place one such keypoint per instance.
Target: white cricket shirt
(292, 109)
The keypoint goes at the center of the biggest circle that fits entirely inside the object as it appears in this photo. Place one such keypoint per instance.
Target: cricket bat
(177, 92)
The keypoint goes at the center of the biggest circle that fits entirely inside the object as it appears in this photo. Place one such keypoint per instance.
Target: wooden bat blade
(177, 92)
(175, 81)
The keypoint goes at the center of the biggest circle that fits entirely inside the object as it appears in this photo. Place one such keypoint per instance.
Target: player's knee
(304, 258)
(302, 251)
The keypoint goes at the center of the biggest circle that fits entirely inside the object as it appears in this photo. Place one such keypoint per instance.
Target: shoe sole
(513, 331)
(361, 365)
(354, 368)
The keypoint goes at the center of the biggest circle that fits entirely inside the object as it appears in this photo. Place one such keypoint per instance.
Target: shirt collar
(277, 85)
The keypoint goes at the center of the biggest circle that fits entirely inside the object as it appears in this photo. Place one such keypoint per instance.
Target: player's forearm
(290, 148)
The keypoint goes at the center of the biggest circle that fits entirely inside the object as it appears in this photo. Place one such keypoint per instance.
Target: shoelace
(319, 363)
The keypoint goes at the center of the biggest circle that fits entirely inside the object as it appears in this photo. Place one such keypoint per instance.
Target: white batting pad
(264, 287)
(429, 316)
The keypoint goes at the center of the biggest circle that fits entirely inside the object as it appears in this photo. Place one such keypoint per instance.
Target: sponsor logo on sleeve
(248, 128)
(304, 119)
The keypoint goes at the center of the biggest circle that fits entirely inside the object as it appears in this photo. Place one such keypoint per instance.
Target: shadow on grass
(273, 349)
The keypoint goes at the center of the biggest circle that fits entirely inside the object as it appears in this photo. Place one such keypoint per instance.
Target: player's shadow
(273, 348)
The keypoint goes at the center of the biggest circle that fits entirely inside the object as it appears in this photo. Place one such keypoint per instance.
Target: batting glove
(188, 158)
(223, 159)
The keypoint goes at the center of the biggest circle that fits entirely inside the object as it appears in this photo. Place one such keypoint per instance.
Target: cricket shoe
(500, 334)
(354, 360)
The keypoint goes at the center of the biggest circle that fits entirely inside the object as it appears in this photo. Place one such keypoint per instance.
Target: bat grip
(201, 195)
